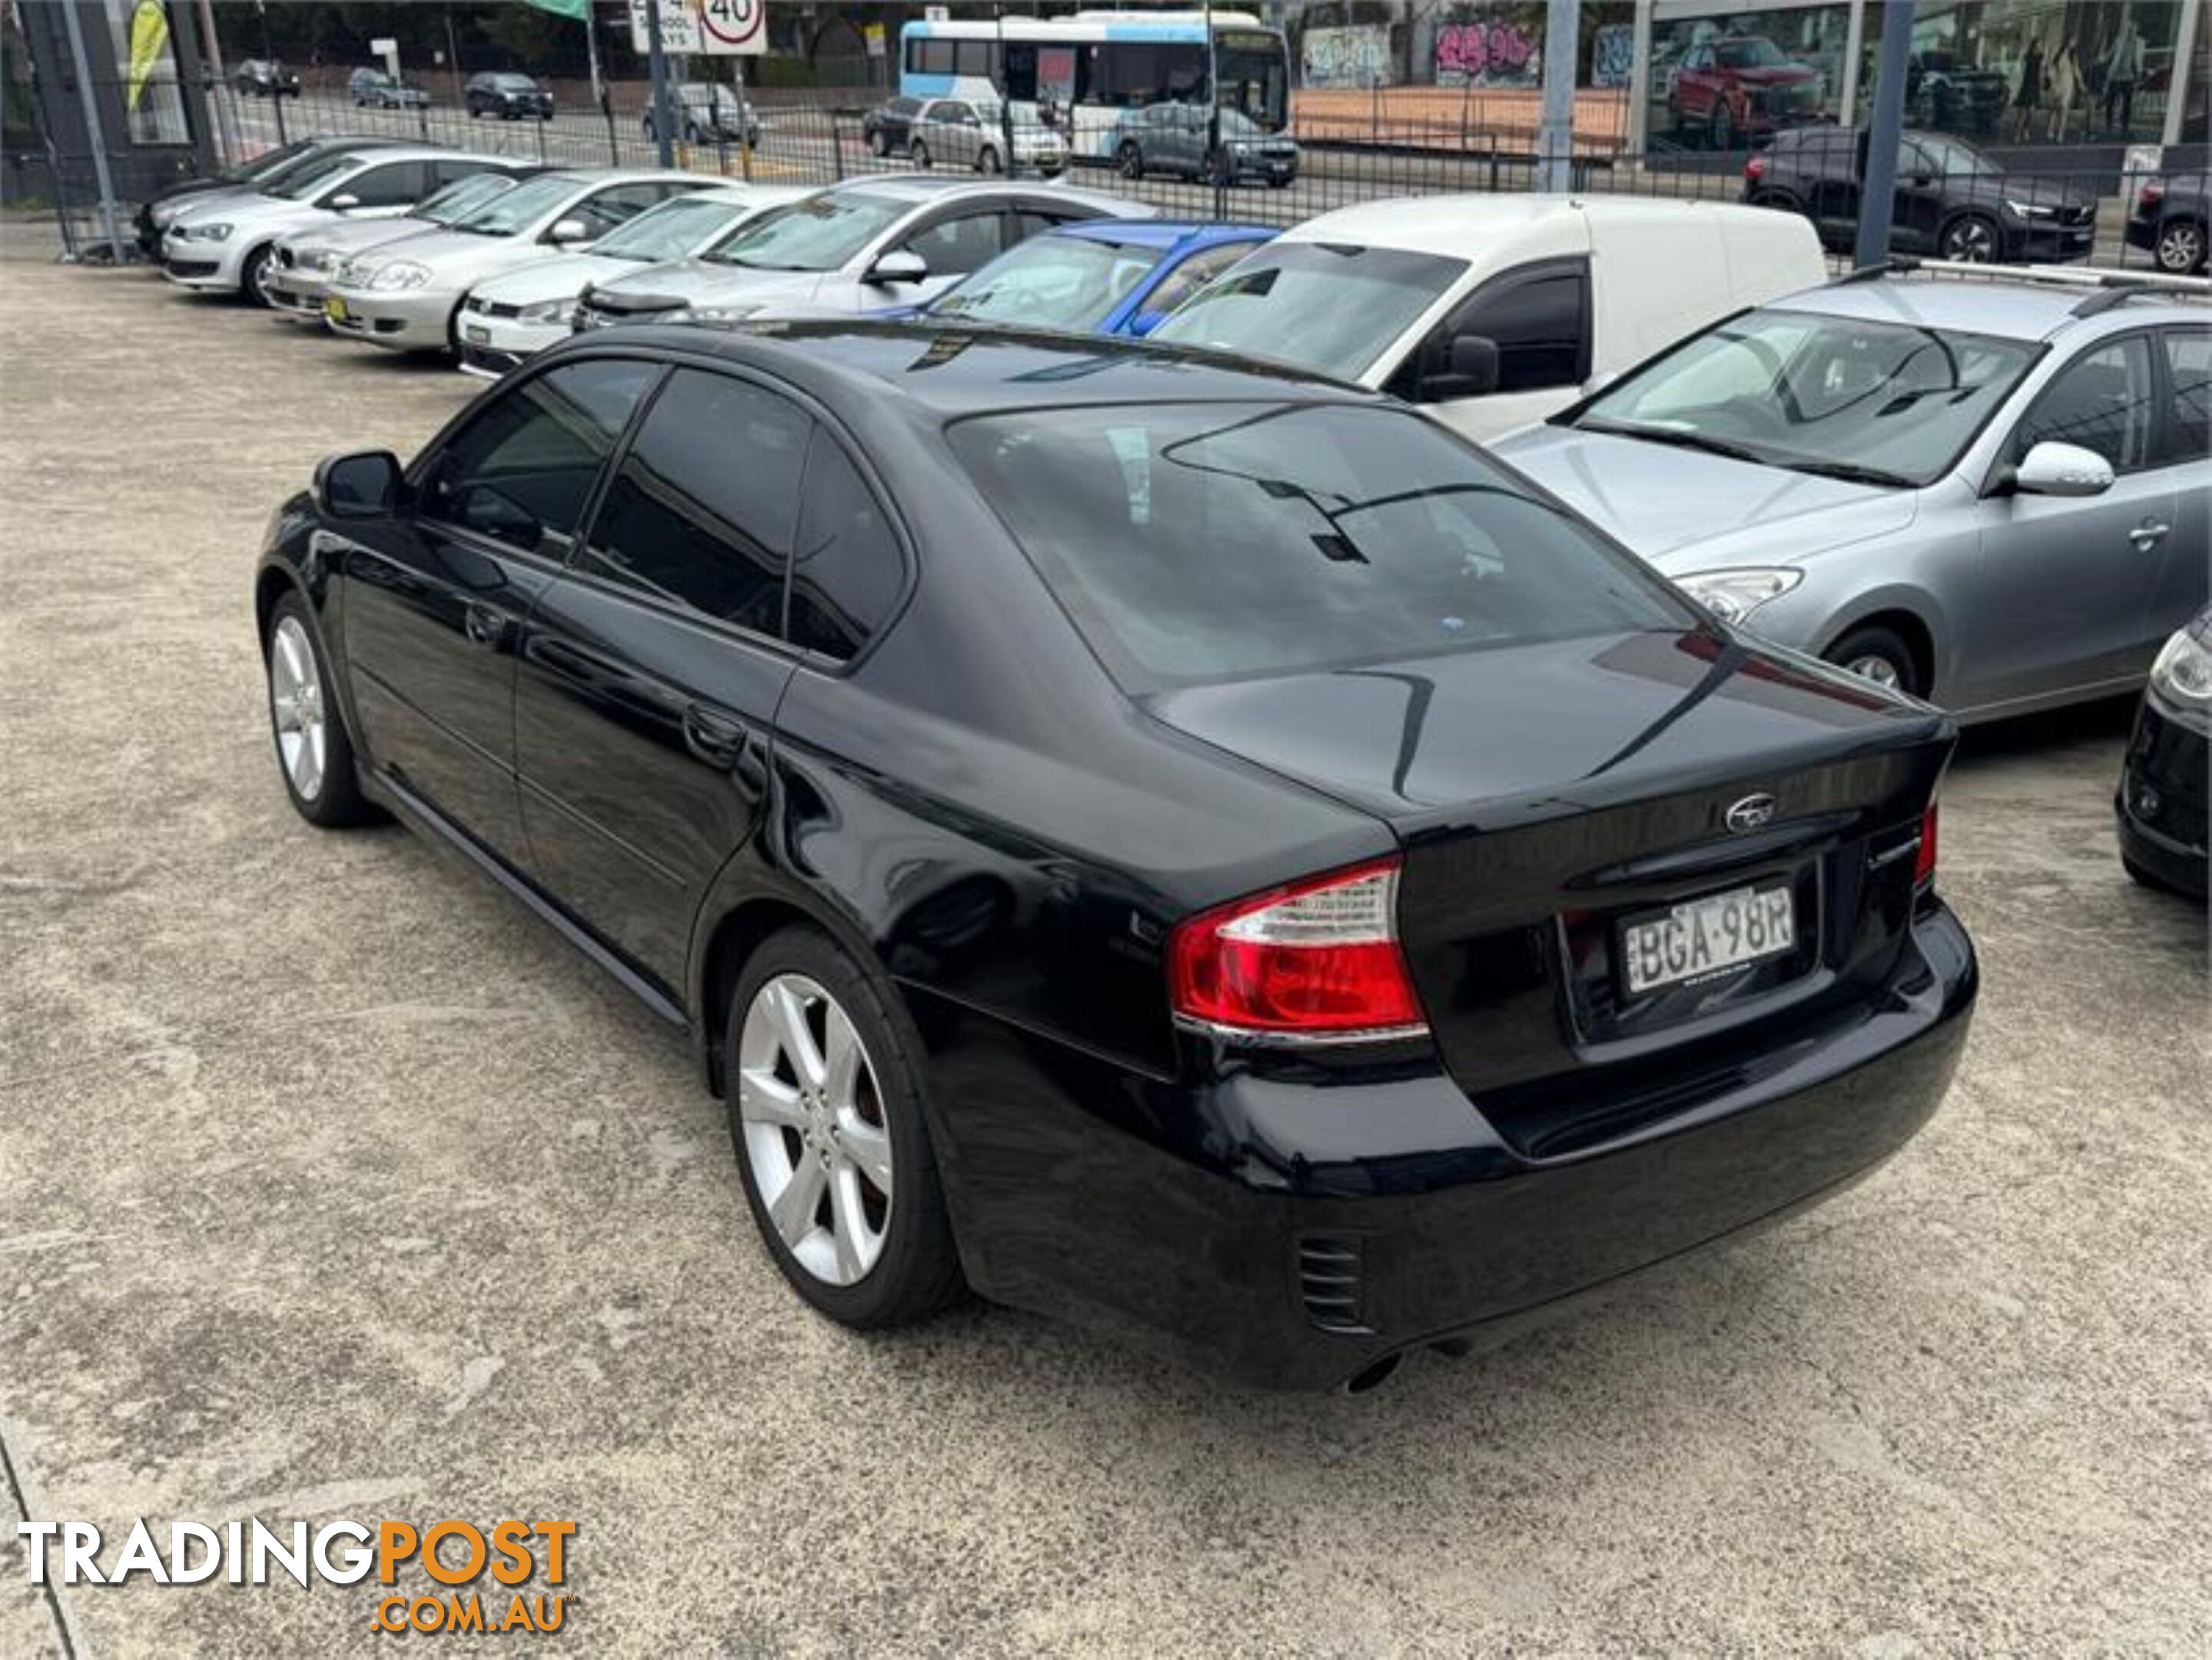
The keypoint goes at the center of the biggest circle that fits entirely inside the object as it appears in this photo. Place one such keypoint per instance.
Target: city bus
(1088, 69)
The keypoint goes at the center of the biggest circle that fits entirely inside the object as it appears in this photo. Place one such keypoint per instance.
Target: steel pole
(663, 131)
(1885, 130)
(94, 130)
(1555, 134)
(591, 51)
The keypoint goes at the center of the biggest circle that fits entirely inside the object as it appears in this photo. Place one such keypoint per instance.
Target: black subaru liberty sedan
(1203, 853)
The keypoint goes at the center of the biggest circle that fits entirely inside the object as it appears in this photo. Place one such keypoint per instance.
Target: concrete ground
(333, 1185)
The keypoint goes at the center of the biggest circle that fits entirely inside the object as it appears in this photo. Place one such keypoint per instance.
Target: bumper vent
(1331, 1283)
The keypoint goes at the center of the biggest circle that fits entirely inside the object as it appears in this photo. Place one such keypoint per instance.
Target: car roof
(1992, 306)
(1162, 233)
(959, 371)
(920, 187)
(1466, 226)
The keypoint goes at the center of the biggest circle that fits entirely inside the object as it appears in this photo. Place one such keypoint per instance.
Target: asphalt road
(331, 1184)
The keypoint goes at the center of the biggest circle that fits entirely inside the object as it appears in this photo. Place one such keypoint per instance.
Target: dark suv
(509, 96)
(2170, 219)
(889, 127)
(1952, 201)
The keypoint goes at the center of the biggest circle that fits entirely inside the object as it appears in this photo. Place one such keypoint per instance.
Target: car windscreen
(270, 163)
(1049, 282)
(1887, 403)
(517, 210)
(1755, 53)
(1195, 543)
(819, 233)
(1331, 308)
(298, 186)
(514, 83)
(671, 230)
(462, 197)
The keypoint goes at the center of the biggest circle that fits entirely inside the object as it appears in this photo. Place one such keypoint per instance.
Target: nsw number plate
(1700, 938)
(334, 308)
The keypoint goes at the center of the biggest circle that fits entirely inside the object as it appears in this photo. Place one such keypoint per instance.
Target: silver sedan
(1992, 494)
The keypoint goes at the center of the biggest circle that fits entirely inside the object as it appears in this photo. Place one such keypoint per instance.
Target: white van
(1494, 312)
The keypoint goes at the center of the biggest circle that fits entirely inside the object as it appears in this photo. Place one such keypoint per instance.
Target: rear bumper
(1289, 1229)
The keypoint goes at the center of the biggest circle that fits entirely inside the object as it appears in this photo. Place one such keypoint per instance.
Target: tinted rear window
(1199, 543)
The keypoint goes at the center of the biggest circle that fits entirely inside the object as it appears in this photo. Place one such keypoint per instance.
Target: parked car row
(1176, 793)
(1177, 138)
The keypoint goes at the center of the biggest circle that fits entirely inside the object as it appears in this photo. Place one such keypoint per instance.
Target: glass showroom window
(1731, 81)
(146, 66)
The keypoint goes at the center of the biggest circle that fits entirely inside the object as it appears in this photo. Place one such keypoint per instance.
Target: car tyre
(2181, 247)
(254, 276)
(1131, 160)
(1881, 655)
(918, 152)
(1720, 127)
(1971, 238)
(879, 144)
(987, 161)
(831, 1136)
(314, 753)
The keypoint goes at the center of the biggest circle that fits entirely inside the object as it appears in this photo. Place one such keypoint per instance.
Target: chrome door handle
(715, 738)
(485, 625)
(2149, 534)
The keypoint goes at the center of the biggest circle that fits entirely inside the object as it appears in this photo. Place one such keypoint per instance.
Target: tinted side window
(610, 208)
(953, 247)
(2189, 429)
(845, 568)
(389, 187)
(2103, 401)
(522, 470)
(1540, 324)
(700, 513)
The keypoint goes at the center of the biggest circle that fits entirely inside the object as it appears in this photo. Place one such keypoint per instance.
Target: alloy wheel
(815, 1134)
(1971, 240)
(296, 698)
(2181, 247)
(1877, 669)
(1132, 162)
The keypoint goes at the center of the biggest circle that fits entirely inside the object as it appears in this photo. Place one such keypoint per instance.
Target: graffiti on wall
(1613, 55)
(1489, 55)
(1356, 57)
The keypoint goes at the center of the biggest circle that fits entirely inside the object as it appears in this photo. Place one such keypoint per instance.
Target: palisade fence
(1351, 149)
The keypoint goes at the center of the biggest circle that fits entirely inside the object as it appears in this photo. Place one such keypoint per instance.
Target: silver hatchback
(1992, 494)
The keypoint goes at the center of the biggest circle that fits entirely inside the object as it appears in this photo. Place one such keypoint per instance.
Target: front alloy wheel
(1971, 240)
(314, 755)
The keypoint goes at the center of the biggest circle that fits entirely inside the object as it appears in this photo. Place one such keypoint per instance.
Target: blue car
(1104, 277)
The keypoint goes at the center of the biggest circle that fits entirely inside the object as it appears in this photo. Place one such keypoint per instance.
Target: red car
(1741, 87)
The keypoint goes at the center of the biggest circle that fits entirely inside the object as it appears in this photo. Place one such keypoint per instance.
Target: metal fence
(812, 140)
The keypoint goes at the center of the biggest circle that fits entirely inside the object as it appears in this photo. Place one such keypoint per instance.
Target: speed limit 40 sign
(733, 26)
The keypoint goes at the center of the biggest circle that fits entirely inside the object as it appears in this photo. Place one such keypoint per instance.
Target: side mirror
(363, 484)
(899, 266)
(2051, 469)
(1470, 369)
(569, 230)
(1146, 321)
(343, 200)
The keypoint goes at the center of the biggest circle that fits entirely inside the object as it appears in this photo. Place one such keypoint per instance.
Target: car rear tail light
(2153, 193)
(1755, 169)
(1317, 960)
(1923, 862)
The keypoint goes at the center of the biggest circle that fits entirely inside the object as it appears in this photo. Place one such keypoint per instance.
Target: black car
(264, 77)
(2170, 219)
(264, 172)
(1951, 200)
(2163, 799)
(889, 127)
(1203, 853)
(508, 96)
(1944, 90)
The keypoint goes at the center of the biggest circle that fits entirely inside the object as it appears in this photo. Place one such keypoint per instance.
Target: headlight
(1733, 595)
(2031, 210)
(2183, 673)
(716, 313)
(311, 259)
(215, 232)
(547, 311)
(400, 274)
(160, 214)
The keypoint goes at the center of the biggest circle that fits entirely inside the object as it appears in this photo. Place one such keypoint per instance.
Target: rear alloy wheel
(1720, 127)
(1880, 656)
(2180, 247)
(987, 161)
(880, 143)
(313, 754)
(1131, 160)
(918, 152)
(1971, 238)
(825, 1109)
